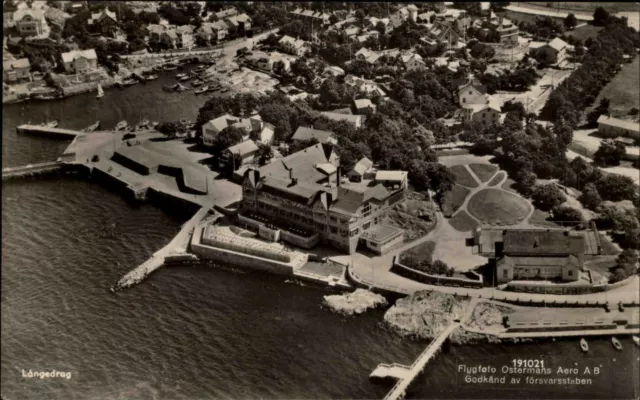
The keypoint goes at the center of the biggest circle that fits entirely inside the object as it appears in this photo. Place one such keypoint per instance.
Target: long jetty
(177, 244)
(31, 169)
(48, 131)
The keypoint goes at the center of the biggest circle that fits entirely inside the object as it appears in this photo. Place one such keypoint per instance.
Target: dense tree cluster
(626, 266)
(599, 65)
(436, 267)
(544, 28)
(519, 80)
(548, 196)
(610, 153)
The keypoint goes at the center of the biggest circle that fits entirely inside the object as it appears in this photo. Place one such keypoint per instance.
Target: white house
(294, 46)
(80, 61)
(30, 22)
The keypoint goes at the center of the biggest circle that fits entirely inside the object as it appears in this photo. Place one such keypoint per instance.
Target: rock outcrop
(354, 303)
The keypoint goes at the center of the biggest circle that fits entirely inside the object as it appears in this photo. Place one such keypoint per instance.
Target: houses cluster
(228, 20)
(552, 53)
(321, 18)
(410, 59)
(173, 37)
(293, 46)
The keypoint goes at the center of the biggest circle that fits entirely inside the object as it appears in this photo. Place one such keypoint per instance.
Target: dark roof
(302, 192)
(351, 197)
(304, 133)
(541, 242)
(533, 262)
(302, 163)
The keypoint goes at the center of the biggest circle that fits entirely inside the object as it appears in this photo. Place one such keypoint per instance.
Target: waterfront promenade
(48, 131)
(178, 244)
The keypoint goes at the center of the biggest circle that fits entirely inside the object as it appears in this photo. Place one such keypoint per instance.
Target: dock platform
(31, 169)
(48, 131)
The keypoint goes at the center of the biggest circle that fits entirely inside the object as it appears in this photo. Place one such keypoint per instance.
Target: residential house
(242, 23)
(441, 33)
(362, 107)
(409, 12)
(359, 171)
(552, 53)
(185, 36)
(364, 85)
(16, 70)
(531, 254)
(303, 197)
(242, 153)
(471, 92)
(413, 61)
(253, 126)
(486, 114)
(309, 16)
(615, 127)
(394, 180)
(80, 61)
(170, 37)
(425, 18)
(367, 55)
(30, 22)
(229, 12)
(351, 31)
(334, 71)
(372, 24)
(508, 32)
(105, 22)
(293, 46)
(213, 31)
(303, 134)
(363, 38)
(354, 120)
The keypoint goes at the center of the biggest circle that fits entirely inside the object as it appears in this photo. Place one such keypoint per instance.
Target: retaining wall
(241, 260)
(439, 280)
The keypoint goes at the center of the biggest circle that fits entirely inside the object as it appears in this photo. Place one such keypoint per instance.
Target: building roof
(362, 166)
(475, 85)
(327, 168)
(243, 148)
(104, 13)
(342, 117)
(534, 262)
(158, 29)
(56, 16)
(226, 13)
(296, 43)
(619, 123)
(352, 197)
(222, 122)
(362, 103)
(391, 175)
(541, 242)
(557, 44)
(304, 133)
(219, 25)
(75, 54)
(16, 64)
(35, 14)
(302, 164)
(172, 34)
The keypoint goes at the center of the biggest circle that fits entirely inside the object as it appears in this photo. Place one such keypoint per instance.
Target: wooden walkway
(48, 131)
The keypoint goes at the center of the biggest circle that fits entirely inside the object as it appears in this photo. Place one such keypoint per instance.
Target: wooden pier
(31, 169)
(48, 131)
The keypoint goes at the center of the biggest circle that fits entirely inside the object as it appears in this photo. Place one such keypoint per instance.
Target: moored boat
(151, 77)
(92, 128)
(170, 67)
(583, 345)
(636, 340)
(197, 83)
(181, 75)
(129, 82)
(52, 124)
(616, 343)
(202, 89)
(121, 125)
(185, 78)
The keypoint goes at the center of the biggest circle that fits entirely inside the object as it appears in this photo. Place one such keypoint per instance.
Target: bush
(610, 153)
(590, 197)
(566, 214)
(626, 266)
(545, 197)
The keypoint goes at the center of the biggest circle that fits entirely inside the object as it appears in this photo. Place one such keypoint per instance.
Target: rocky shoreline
(354, 303)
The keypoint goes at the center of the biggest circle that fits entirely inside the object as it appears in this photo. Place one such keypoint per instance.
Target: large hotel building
(302, 199)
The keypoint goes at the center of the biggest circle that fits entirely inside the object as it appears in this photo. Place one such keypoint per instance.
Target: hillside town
(470, 149)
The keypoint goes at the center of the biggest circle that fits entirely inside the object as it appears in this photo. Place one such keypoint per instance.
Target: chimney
(294, 180)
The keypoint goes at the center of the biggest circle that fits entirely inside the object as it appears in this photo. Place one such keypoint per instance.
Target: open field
(497, 207)
(422, 251)
(539, 218)
(508, 185)
(454, 199)
(517, 17)
(463, 177)
(497, 179)
(584, 32)
(623, 91)
(463, 222)
(483, 171)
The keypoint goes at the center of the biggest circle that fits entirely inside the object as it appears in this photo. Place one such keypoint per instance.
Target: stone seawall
(241, 260)
(87, 87)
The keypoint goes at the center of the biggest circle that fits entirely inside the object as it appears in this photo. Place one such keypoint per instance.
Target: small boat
(121, 125)
(583, 345)
(170, 67)
(185, 78)
(616, 343)
(181, 75)
(202, 89)
(151, 77)
(636, 340)
(144, 122)
(156, 68)
(52, 124)
(100, 92)
(196, 83)
(92, 128)
(129, 82)
(214, 88)
(225, 90)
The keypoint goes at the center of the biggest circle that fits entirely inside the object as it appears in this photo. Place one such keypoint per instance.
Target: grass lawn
(584, 32)
(483, 171)
(422, 251)
(454, 199)
(623, 91)
(413, 226)
(463, 177)
(498, 178)
(508, 185)
(463, 222)
(497, 207)
(456, 152)
(517, 17)
(539, 218)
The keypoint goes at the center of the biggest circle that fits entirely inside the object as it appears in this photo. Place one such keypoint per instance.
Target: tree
(609, 153)
(626, 266)
(547, 196)
(566, 214)
(227, 137)
(590, 197)
(264, 153)
(168, 128)
(617, 187)
(600, 17)
(570, 21)
(603, 108)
